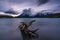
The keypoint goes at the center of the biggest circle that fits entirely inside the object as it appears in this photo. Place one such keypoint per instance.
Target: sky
(36, 5)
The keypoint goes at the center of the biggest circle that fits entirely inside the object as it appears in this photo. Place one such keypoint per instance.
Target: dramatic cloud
(40, 2)
(36, 5)
(13, 15)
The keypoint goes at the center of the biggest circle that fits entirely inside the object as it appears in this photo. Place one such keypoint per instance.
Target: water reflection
(49, 28)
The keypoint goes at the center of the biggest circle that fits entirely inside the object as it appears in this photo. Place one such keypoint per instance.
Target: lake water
(49, 28)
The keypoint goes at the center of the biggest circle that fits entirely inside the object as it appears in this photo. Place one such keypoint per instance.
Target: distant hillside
(56, 15)
(3, 16)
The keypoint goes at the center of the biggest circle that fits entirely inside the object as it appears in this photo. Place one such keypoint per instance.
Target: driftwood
(27, 34)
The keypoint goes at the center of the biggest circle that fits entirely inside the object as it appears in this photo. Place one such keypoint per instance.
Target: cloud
(4, 5)
(7, 14)
(40, 2)
(20, 5)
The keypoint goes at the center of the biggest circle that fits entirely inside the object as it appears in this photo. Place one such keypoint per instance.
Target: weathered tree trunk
(25, 35)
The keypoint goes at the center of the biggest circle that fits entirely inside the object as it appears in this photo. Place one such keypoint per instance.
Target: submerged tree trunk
(25, 35)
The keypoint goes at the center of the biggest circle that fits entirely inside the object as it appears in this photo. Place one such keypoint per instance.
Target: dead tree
(27, 34)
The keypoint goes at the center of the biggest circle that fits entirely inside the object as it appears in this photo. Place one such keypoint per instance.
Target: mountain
(45, 14)
(26, 13)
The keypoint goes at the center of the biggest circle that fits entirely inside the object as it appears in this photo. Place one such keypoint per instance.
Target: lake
(49, 28)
